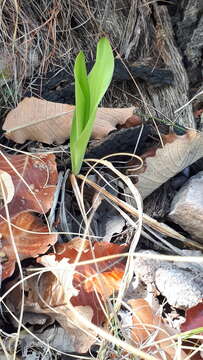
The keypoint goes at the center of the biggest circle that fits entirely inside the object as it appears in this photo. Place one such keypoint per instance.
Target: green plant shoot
(89, 90)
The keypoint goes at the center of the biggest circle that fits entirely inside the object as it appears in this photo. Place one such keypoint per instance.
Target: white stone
(187, 207)
(181, 283)
(179, 286)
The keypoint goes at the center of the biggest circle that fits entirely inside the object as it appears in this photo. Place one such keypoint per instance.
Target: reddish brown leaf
(147, 324)
(34, 179)
(194, 318)
(51, 292)
(100, 279)
(198, 113)
(143, 319)
(27, 230)
(29, 185)
(134, 164)
(103, 277)
(132, 121)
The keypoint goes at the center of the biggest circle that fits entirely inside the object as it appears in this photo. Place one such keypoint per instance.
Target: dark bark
(60, 87)
(142, 34)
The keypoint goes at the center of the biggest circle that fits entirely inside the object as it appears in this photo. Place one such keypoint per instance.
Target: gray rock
(180, 287)
(180, 282)
(187, 207)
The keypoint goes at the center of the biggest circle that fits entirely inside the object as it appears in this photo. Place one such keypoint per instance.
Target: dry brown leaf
(194, 318)
(102, 277)
(54, 290)
(148, 326)
(27, 230)
(28, 183)
(49, 122)
(52, 297)
(33, 178)
(178, 153)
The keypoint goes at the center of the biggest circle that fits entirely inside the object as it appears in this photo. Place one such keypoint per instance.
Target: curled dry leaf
(100, 279)
(48, 122)
(33, 178)
(28, 185)
(148, 328)
(194, 318)
(162, 164)
(27, 232)
(86, 286)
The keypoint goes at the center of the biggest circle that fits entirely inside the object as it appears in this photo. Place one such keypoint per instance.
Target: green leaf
(82, 93)
(81, 114)
(101, 74)
(89, 91)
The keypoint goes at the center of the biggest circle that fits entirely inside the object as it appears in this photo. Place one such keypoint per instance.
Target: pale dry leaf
(178, 153)
(45, 295)
(56, 337)
(49, 122)
(7, 189)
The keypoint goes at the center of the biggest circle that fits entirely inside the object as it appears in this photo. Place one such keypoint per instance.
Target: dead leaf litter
(89, 274)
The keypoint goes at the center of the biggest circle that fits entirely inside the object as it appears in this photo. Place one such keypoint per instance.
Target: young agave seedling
(89, 90)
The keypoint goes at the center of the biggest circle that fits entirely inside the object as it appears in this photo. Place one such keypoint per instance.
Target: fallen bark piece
(123, 71)
(190, 42)
(163, 163)
(122, 140)
(187, 207)
(49, 122)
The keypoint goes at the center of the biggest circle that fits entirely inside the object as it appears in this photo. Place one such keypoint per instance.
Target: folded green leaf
(89, 91)
(83, 93)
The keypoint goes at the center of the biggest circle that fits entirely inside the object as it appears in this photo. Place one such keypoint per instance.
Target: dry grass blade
(162, 228)
(17, 258)
(129, 266)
